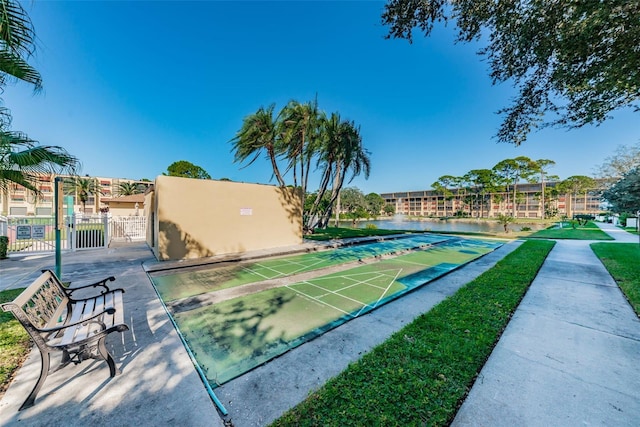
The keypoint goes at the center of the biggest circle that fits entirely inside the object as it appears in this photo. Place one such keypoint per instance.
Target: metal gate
(37, 234)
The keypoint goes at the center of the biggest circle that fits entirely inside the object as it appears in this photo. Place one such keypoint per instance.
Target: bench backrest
(44, 304)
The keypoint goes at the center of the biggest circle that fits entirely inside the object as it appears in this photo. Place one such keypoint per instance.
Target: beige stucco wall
(125, 209)
(200, 218)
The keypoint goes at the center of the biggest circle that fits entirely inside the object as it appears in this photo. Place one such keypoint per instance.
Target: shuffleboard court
(231, 337)
(174, 285)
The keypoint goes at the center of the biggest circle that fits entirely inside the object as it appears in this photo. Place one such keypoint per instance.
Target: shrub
(371, 227)
(4, 244)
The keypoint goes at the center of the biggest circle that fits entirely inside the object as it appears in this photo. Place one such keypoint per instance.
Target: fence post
(71, 233)
(105, 224)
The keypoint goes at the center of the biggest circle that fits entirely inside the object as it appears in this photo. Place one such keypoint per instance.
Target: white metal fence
(128, 228)
(37, 234)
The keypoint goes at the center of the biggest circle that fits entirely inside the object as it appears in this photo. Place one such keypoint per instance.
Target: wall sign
(246, 211)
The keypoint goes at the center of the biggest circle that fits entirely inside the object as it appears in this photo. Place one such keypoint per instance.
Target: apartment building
(18, 201)
(470, 202)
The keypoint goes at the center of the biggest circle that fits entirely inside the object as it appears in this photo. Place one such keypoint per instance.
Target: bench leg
(102, 349)
(45, 360)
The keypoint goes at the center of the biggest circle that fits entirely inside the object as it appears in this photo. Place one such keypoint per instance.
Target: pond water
(399, 222)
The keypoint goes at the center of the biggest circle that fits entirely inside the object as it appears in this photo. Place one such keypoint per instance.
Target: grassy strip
(14, 341)
(422, 373)
(622, 260)
(589, 232)
(345, 233)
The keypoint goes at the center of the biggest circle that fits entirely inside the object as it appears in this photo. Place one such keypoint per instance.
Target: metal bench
(76, 326)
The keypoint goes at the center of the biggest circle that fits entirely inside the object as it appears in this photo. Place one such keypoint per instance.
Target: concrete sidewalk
(569, 355)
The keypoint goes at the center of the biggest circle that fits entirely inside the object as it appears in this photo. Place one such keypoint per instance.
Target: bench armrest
(108, 310)
(102, 283)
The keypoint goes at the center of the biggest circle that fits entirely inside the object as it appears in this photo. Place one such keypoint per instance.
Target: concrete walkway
(570, 354)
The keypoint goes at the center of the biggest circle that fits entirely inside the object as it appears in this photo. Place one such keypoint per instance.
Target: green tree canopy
(352, 200)
(624, 195)
(573, 62)
(375, 203)
(185, 169)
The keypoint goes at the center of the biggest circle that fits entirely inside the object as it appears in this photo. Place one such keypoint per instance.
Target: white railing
(128, 228)
(37, 234)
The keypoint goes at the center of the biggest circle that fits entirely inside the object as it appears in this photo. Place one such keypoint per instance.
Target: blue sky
(130, 87)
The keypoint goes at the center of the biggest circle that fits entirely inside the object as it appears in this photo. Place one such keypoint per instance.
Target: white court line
(329, 292)
(387, 290)
(412, 262)
(280, 273)
(320, 301)
(248, 270)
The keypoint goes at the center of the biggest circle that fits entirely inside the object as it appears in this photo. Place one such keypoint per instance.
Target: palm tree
(301, 129)
(128, 189)
(17, 44)
(24, 163)
(22, 160)
(260, 132)
(304, 137)
(82, 188)
(341, 154)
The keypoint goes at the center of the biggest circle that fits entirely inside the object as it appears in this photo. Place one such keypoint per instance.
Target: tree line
(481, 187)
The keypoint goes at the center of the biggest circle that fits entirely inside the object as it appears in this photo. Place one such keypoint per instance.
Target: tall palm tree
(259, 132)
(342, 154)
(301, 129)
(82, 188)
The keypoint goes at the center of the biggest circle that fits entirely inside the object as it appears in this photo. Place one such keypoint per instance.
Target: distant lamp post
(137, 209)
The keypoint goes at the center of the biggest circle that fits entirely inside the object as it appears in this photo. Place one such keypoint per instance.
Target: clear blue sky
(130, 87)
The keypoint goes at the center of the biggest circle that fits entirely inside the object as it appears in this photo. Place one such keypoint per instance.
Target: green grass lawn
(622, 260)
(422, 373)
(590, 231)
(14, 341)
